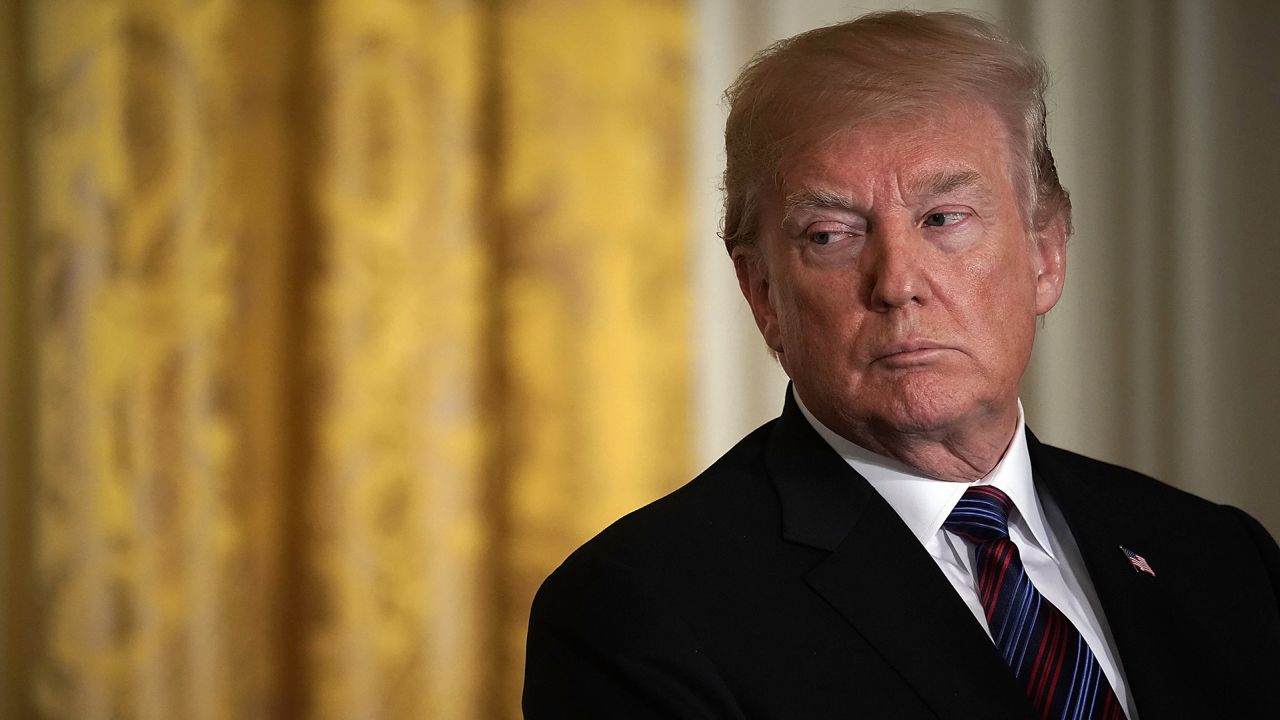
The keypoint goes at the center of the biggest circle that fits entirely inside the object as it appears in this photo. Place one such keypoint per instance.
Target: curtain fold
(594, 296)
(133, 301)
(338, 326)
(396, 537)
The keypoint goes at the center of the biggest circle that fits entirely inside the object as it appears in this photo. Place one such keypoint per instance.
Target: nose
(896, 269)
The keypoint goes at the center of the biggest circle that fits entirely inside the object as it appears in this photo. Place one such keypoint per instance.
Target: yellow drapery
(329, 329)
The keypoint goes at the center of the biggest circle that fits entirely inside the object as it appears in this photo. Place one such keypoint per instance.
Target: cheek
(1001, 311)
(1009, 280)
(1010, 327)
(796, 316)
(825, 304)
(813, 316)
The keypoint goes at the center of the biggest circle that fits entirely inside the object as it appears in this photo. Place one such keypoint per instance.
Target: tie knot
(982, 515)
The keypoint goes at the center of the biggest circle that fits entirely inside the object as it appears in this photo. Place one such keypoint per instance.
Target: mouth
(908, 353)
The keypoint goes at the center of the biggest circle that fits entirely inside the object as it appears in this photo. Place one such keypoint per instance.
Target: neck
(960, 456)
(959, 452)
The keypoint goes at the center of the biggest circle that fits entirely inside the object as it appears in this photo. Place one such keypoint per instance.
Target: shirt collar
(924, 502)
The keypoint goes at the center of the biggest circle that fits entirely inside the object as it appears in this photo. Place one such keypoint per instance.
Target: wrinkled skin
(897, 282)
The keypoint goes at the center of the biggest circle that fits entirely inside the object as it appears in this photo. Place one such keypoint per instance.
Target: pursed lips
(908, 352)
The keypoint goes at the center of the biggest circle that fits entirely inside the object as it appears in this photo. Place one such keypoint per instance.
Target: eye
(942, 219)
(828, 242)
(827, 233)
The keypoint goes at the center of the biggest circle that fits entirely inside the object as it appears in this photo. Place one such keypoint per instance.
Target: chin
(920, 407)
(917, 420)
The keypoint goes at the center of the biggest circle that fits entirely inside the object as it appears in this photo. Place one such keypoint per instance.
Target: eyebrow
(810, 198)
(931, 185)
(945, 181)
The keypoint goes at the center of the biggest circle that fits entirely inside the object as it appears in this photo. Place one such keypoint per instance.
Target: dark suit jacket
(779, 584)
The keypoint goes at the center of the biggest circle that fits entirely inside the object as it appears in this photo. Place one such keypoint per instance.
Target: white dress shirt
(1036, 526)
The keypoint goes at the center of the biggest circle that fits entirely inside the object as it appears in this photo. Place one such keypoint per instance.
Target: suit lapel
(1139, 612)
(883, 582)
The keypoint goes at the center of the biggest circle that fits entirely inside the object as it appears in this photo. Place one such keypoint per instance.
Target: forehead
(909, 151)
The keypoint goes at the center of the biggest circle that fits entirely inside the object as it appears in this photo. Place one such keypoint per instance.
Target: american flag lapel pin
(1138, 562)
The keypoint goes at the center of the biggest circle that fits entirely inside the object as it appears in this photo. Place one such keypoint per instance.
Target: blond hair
(802, 90)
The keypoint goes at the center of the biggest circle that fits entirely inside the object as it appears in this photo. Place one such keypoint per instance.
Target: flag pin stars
(1138, 562)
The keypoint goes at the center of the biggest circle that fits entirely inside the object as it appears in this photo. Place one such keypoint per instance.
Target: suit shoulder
(1158, 505)
(1113, 479)
(731, 496)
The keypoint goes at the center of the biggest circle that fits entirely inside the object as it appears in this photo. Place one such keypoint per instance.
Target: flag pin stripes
(1138, 562)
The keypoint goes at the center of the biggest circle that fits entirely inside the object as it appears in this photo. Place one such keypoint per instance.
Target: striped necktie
(1043, 649)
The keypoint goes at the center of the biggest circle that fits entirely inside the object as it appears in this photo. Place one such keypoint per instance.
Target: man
(896, 544)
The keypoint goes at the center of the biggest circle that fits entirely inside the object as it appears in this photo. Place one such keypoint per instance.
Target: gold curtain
(329, 329)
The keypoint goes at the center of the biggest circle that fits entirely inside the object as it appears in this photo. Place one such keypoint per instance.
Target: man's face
(896, 279)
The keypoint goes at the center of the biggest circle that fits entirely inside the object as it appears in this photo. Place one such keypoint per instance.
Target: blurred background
(329, 328)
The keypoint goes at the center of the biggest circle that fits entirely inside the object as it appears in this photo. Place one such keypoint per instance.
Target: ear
(1049, 254)
(753, 280)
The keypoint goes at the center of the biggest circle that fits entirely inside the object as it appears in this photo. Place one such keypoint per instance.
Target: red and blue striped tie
(1043, 649)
